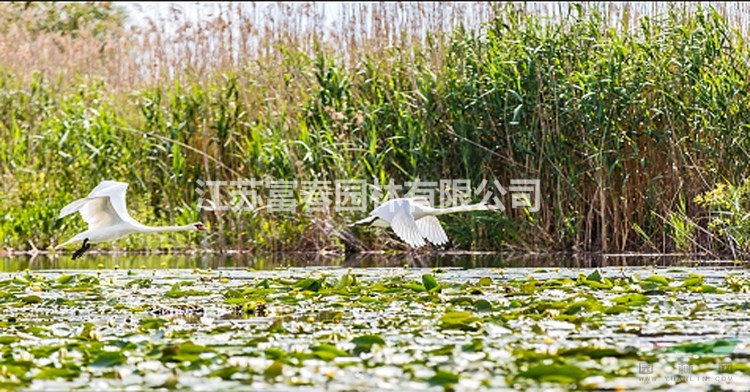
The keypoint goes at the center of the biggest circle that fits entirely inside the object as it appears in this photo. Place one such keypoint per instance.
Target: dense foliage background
(625, 118)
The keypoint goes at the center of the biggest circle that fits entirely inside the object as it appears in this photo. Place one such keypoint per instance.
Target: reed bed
(625, 113)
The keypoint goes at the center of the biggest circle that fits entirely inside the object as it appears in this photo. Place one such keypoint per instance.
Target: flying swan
(413, 220)
(106, 213)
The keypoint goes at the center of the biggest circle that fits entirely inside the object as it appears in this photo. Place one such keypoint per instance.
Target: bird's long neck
(470, 207)
(162, 229)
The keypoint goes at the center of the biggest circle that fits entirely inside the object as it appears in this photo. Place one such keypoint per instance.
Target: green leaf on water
(445, 350)
(152, 323)
(464, 321)
(476, 345)
(693, 280)
(595, 276)
(634, 299)
(273, 370)
(109, 359)
(50, 373)
(555, 373)
(277, 326)
(482, 305)
(65, 279)
(224, 373)
(658, 279)
(595, 281)
(616, 309)
(8, 339)
(32, 299)
(698, 307)
(718, 347)
(184, 352)
(734, 367)
(462, 301)
(588, 304)
(310, 284)
(274, 353)
(142, 283)
(415, 286)
(327, 352)
(347, 280)
(364, 343)
(176, 292)
(598, 353)
(429, 282)
(444, 378)
(192, 348)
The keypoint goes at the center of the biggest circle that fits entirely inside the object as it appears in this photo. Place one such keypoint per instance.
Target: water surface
(373, 322)
(360, 260)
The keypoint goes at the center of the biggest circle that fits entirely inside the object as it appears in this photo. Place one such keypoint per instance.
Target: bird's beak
(202, 228)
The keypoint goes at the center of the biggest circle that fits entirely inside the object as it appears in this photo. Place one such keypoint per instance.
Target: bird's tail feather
(364, 222)
(492, 207)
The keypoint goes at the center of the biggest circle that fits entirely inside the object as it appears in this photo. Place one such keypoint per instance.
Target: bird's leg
(84, 247)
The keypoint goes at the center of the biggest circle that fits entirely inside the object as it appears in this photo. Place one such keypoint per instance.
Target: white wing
(116, 193)
(404, 226)
(99, 213)
(104, 206)
(430, 228)
(420, 200)
(107, 184)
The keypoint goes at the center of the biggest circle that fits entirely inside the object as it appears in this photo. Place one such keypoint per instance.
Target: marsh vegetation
(626, 113)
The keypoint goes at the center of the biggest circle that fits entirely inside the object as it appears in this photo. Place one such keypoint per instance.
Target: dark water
(367, 260)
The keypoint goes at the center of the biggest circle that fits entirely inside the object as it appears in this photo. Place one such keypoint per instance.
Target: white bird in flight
(106, 213)
(413, 220)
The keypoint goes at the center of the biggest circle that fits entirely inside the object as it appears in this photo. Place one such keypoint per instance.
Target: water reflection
(269, 261)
